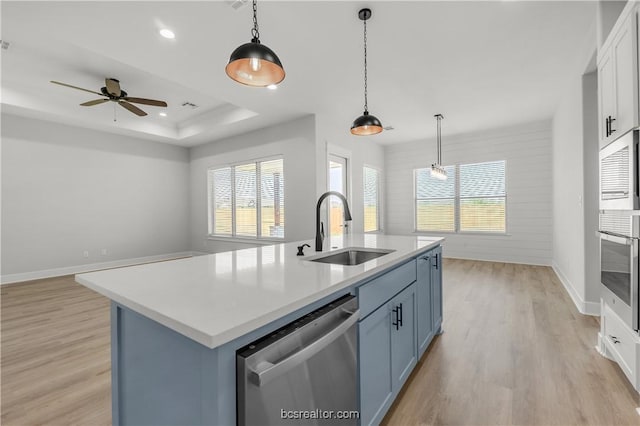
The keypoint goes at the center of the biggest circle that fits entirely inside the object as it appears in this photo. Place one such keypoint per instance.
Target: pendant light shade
(253, 63)
(366, 124)
(437, 171)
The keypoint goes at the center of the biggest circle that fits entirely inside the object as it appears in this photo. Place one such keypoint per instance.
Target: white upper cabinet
(618, 80)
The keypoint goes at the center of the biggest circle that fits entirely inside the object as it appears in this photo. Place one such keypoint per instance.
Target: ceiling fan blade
(95, 102)
(146, 101)
(134, 109)
(76, 87)
(113, 87)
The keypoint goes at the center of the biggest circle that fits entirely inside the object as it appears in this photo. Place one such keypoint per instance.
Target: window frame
(379, 228)
(211, 211)
(456, 204)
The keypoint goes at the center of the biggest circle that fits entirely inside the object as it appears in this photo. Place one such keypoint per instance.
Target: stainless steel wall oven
(619, 237)
(619, 227)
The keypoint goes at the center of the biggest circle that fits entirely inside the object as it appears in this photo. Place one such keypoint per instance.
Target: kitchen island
(177, 325)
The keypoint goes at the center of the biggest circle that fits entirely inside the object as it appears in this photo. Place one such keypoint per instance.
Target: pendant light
(253, 63)
(437, 171)
(366, 124)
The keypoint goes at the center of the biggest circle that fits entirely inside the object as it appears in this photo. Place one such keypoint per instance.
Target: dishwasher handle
(262, 377)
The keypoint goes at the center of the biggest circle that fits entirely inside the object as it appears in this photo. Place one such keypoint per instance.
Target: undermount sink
(350, 256)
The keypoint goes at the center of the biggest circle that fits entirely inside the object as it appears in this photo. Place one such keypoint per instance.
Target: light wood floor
(515, 351)
(55, 360)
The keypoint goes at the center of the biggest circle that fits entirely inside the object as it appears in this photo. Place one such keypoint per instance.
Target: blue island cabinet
(428, 297)
(436, 289)
(401, 312)
(162, 377)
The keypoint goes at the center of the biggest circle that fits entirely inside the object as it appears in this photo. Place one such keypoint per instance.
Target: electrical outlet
(105, 252)
(86, 253)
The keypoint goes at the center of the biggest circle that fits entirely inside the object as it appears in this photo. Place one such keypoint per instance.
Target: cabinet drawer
(377, 291)
(621, 342)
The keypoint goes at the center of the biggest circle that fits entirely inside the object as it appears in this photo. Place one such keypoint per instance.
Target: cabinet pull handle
(614, 339)
(606, 121)
(436, 259)
(397, 323)
(400, 320)
(611, 129)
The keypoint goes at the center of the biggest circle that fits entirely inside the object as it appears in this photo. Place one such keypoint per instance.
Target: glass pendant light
(366, 124)
(437, 171)
(253, 63)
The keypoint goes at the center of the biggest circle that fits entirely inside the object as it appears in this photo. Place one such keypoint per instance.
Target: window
(371, 186)
(247, 200)
(472, 199)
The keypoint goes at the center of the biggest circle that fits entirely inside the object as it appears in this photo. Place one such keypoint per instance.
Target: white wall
(575, 200)
(527, 151)
(295, 141)
(568, 191)
(66, 190)
(591, 183)
(607, 14)
(575, 185)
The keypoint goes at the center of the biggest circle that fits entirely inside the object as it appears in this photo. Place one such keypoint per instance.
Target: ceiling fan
(114, 93)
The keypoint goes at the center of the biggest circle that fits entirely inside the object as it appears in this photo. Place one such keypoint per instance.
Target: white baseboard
(78, 269)
(585, 308)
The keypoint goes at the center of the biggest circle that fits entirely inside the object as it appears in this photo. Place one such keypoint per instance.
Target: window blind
(435, 201)
(272, 198)
(247, 200)
(482, 197)
(472, 199)
(246, 209)
(221, 190)
(371, 189)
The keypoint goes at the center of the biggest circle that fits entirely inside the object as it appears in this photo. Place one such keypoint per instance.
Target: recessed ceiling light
(166, 33)
(163, 114)
(272, 86)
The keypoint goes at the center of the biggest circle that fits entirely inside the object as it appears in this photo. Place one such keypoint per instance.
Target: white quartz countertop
(216, 298)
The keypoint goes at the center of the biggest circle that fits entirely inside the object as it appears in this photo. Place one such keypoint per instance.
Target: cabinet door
(403, 336)
(375, 366)
(436, 289)
(606, 95)
(626, 78)
(423, 302)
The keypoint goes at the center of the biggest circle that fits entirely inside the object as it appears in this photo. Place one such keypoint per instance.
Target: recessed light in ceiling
(167, 33)
(163, 114)
(272, 87)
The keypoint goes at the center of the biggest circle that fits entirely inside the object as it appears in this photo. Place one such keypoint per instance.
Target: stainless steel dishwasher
(303, 373)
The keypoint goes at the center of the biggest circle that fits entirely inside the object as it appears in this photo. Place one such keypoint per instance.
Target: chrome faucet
(320, 225)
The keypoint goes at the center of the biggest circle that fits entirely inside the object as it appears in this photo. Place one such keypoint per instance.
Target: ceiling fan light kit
(437, 171)
(253, 63)
(114, 93)
(366, 124)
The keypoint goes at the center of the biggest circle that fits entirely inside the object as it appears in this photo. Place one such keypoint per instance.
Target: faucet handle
(301, 248)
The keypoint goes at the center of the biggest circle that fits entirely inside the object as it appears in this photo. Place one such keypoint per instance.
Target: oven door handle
(618, 239)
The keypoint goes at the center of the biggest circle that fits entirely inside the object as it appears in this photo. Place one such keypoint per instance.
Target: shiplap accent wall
(527, 151)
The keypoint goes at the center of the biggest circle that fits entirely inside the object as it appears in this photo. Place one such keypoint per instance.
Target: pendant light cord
(366, 109)
(254, 31)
